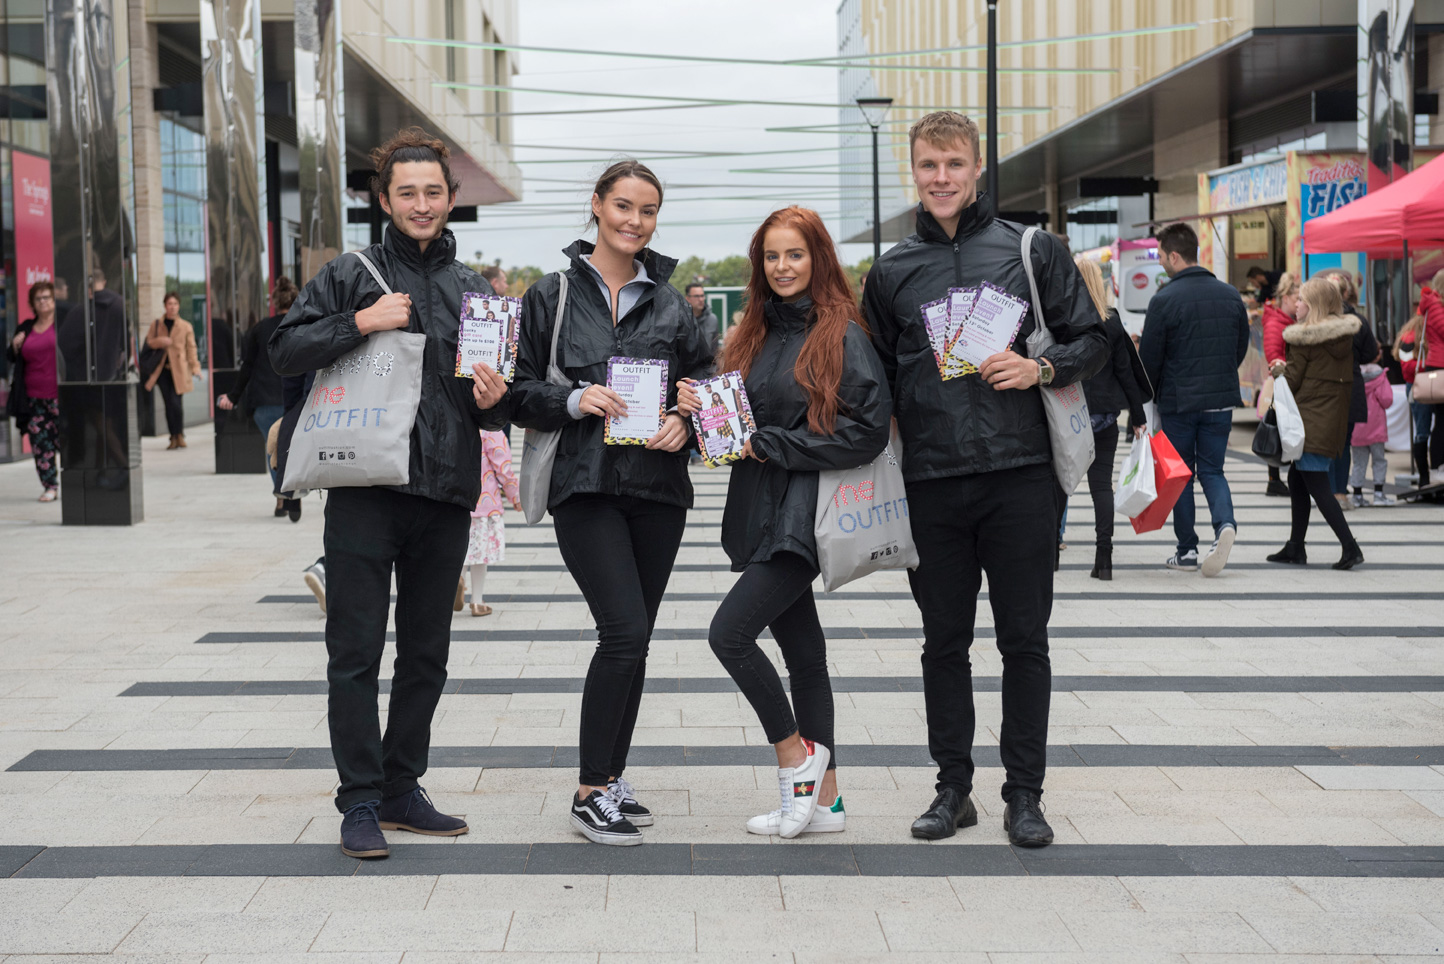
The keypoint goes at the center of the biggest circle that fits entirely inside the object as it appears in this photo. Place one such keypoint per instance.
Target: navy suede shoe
(361, 834)
(414, 812)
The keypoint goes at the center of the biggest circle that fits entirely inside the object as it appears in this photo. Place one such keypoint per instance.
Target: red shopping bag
(1170, 476)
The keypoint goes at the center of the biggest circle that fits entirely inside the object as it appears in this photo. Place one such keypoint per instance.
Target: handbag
(539, 448)
(862, 519)
(1170, 478)
(1266, 442)
(1429, 387)
(150, 360)
(1070, 430)
(354, 428)
(1136, 484)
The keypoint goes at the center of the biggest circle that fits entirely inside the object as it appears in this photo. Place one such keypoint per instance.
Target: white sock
(478, 580)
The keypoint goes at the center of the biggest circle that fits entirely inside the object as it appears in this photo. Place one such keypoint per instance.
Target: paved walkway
(1243, 768)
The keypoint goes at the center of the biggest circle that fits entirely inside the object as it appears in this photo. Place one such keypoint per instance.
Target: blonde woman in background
(1120, 384)
(1278, 314)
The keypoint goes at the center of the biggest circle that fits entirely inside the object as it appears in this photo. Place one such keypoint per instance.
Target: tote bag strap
(374, 273)
(561, 309)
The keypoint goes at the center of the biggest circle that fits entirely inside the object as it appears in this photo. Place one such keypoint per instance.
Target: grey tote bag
(539, 449)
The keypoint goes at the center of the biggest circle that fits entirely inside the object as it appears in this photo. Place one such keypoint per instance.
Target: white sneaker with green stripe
(831, 819)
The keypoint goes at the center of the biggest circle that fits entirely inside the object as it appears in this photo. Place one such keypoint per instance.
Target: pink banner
(34, 237)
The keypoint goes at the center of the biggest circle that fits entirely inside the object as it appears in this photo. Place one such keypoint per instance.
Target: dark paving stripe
(886, 632)
(812, 859)
(871, 755)
(855, 595)
(505, 686)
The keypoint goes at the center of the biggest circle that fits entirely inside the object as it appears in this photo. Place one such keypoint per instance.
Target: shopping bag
(862, 521)
(1170, 477)
(355, 426)
(1267, 444)
(1290, 422)
(1136, 486)
(538, 448)
(1070, 430)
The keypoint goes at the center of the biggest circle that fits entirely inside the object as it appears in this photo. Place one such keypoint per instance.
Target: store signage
(1328, 182)
(34, 236)
(1250, 237)
(1249, 187)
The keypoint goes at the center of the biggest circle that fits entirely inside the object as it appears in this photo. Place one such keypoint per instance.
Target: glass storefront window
(183, 182)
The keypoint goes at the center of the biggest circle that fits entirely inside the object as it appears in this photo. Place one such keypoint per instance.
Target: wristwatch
(1045, 372)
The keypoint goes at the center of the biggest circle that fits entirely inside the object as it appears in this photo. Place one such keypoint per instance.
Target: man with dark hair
(977, 463)
(1195, 335)
(418, 529)
(495, 276)
(1265, 282)
(697, 297)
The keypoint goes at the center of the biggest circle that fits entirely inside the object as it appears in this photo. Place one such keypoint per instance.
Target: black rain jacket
(964, 426)
(1195, 335)
(1121, 383)
(321, 327)
(772, 505)
(659, 325)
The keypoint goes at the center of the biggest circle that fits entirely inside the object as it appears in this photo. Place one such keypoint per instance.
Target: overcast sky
(764, 29)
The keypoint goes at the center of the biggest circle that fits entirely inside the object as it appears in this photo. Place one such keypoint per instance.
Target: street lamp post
(874, 111)
(993, 104)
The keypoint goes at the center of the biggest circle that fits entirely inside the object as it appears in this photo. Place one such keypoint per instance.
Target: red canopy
(1411, 209)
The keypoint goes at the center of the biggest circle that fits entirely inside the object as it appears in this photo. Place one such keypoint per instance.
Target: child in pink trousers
(1369, 437)
(488, 532)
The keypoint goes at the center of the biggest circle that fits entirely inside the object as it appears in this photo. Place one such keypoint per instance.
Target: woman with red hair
(820, 400)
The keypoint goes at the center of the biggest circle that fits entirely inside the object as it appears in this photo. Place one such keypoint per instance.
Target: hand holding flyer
(725, 422)
(989, 328)
(488, 335)
(642, 385)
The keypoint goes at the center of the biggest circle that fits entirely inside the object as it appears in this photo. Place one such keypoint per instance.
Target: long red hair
(819, 366)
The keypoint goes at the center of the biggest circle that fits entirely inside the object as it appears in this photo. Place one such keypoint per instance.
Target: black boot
(1421, 462)
(1352, 556)
(1102, 564)
(1292, 553)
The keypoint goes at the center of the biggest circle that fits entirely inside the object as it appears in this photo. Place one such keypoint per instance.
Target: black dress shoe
(1353, 555)
(949, 811)
(1292, 553)
(1024, 821)
(293, 509)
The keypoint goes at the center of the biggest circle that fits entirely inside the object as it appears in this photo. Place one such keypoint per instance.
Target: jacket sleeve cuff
(574, 402)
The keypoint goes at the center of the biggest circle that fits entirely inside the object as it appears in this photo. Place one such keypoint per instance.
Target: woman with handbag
(178, 369)
(618, 510)
(820, 398)
(1320, 373)
(1429, 389)
(34, 386)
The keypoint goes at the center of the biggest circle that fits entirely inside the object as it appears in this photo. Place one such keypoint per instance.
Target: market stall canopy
(1411, 209)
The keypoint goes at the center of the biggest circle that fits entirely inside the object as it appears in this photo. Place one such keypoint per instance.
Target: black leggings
(1100, 484)
(620, 551)
(777, 594)
(1303, 486)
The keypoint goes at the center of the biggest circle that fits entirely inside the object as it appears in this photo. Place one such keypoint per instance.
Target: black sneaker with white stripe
(599, 820)
(626, 800)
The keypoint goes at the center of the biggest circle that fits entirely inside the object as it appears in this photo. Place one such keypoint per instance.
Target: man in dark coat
(1195, 336)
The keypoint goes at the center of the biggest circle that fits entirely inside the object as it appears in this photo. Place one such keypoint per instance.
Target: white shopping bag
(1291, 423)
(1136, 488)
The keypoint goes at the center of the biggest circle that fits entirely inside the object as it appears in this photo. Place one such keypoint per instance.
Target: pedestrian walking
(1366, 352)
(820, 400)
(486, 544)
(1408, 349)
(1278, 314)
(1431, 306)
(977, 462)
(1195, 336)
(418, 529)
(618, 510)
(1368, 438)
(34, 400)
(257, 382)
(1319, 369)
(178, 369)
(1119, 384)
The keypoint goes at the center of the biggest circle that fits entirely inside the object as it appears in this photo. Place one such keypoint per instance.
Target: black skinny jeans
(1304, 486)
(1004, 523)
(620, 551)
(1100, 485)
(368, 532)
(175, 416)
(777, 594)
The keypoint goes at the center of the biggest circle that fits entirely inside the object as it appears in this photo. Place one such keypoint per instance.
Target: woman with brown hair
(1320, 372)
(34, 386)
(820, 399)
(618, 510)
(178, 369)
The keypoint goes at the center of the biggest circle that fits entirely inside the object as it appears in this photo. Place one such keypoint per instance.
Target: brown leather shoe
(172, 444)
(180, 441)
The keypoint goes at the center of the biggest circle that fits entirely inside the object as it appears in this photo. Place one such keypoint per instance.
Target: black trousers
(1003, 523)
(620, 551)
(1100, 484)
(777, 594)
(368, 532)
(175, 416)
